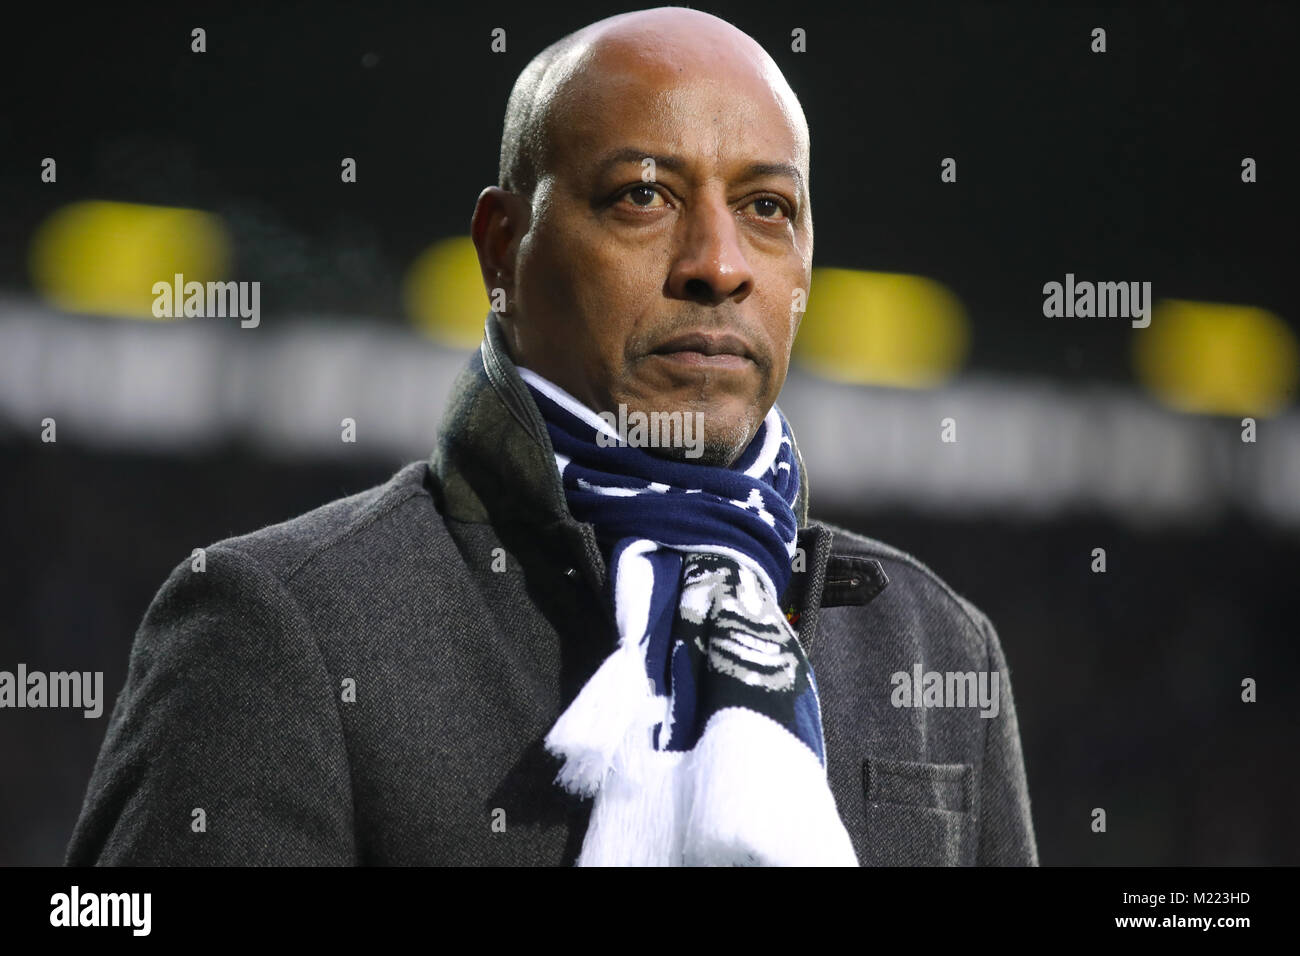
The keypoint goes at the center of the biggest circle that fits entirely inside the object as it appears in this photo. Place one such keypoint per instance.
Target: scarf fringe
(614, 704)
(759, 798)
(749, 794)
(636, 821)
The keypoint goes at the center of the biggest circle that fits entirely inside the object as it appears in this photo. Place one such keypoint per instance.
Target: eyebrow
(677, 164)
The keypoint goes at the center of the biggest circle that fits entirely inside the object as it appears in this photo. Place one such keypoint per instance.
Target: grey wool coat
(371, 682)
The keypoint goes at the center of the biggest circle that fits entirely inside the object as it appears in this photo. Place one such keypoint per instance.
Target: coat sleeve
(1006, 828)
(225, 746)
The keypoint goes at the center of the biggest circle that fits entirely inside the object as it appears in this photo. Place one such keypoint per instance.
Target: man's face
(677, 293)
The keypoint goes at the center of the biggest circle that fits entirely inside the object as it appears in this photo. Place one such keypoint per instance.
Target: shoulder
(915, 585)
(261, 593)
(349, 528)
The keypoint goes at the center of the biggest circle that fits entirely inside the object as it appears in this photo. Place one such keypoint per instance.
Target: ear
(499, 223)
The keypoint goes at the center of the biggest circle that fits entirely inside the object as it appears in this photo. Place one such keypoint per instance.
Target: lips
(706, 345)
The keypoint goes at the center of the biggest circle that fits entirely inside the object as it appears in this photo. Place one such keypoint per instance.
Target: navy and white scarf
(700, 736)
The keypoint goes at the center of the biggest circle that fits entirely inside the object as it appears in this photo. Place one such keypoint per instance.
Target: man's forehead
(673, 102)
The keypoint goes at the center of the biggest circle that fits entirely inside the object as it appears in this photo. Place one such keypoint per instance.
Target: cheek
(622, 267)
(548, 272)
(586, 294)
(784, 313)
(616, 288)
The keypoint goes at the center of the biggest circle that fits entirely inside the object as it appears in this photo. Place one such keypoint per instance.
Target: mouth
(705, 350)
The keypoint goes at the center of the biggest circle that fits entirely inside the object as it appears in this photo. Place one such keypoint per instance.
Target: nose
(710, 266)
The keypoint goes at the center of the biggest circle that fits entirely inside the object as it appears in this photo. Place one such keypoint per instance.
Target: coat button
(571, 573)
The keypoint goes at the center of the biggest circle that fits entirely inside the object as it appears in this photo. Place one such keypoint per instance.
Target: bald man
(597, 626)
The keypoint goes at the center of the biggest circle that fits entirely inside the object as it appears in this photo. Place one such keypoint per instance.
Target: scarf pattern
(700, 736)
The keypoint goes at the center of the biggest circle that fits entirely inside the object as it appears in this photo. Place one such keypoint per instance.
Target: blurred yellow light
(104, 257)
(882, 328)
(1217, 359)
(444, 294)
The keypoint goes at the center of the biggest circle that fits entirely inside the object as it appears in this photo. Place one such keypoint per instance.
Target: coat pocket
(919, 814)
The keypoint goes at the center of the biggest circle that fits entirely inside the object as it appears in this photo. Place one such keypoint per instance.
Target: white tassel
(637, 817)
(619, 695)
(759, 797)
(589, 732)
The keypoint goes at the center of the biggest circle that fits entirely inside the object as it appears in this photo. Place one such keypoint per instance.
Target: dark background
(1121, 165)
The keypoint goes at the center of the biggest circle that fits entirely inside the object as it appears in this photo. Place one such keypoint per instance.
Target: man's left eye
(767, 207)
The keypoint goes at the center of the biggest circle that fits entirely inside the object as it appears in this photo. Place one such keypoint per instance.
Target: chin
(718, 448)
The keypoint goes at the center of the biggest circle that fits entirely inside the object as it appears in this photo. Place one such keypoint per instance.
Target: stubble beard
(720, 448)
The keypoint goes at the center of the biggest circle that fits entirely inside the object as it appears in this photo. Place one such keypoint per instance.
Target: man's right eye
(643, 196)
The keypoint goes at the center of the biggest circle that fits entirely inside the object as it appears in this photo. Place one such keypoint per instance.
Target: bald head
(672, 39)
